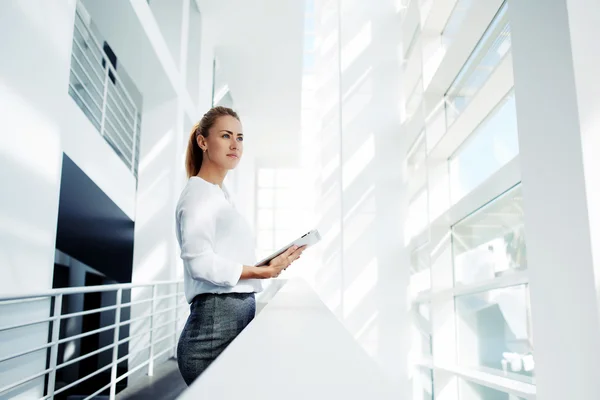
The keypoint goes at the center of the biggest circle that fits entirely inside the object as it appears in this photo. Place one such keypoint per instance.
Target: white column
(552, 63)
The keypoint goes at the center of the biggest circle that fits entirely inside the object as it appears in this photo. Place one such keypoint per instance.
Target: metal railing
(99, 91)
(164, 314)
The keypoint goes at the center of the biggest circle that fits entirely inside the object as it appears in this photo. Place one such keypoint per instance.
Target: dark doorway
(94, 247)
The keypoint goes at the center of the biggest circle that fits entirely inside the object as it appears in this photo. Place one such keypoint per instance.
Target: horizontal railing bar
(96, 62)
(23, 301)
(132, 112)
(163, 325)
(162, 352)
(100, 94)
(139, 301)
(99, 391)
(131, 371)
(86, 289)
(83, 357)
(33, 350)
(81, 81)
(86, 104)
(77, 382)
(107, 63)
(128, 339)
(164, 337)
(126, 151)
(71, 315)
(24, 380)
(76, 337)
(124, 129)
(122, 111)
(128, 322)
(100, 77)
(82, 335)
(90, 36)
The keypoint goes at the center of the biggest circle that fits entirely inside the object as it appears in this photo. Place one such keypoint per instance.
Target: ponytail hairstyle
(194, 156)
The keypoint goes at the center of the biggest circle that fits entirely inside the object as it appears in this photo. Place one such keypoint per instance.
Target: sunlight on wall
(156, 150)
(363, 284)
(151, 265)
(29, 138)
(356, 46)
(357, 163)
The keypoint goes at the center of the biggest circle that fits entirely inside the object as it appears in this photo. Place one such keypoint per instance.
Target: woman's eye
(226, 136)
(241, 139)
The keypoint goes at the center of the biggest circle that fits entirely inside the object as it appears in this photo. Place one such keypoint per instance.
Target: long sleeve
(197, 227)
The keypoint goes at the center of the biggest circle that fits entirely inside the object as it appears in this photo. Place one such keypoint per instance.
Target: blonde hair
(194, 155)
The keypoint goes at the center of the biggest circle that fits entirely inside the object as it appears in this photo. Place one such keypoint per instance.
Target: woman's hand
(282, 261)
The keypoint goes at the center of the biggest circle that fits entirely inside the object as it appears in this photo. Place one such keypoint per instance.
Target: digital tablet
(308, 239)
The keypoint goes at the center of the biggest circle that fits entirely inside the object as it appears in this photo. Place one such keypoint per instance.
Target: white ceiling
(259, 44)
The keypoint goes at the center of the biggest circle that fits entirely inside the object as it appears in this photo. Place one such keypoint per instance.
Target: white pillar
(554, 81)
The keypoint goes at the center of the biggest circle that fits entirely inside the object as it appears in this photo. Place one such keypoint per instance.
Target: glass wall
(469, 282)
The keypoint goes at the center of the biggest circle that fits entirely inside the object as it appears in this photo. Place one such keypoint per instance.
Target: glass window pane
(286, 219)
(492, 145)
(265, 239)
(421, 330)
(472, 391)
(264, 219)
(288, 199)
(266, 178)
(491, 241)
(487, 55)
(265, 198)
(283, 237)
(423, 384)
(287, 178)
(494, 332)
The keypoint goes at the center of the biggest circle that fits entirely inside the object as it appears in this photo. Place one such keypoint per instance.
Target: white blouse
(215, 241)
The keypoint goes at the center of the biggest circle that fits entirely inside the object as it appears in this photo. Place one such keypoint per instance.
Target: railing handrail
(172, 326)
(104, 94)
(84, 289)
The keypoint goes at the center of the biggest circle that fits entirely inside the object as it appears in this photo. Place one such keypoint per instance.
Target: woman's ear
(201, 142)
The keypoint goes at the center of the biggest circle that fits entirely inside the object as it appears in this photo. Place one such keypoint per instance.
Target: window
(494, 331)
(492, 145)
(280, 208)
(423, 384)
(494, 45)
(490, 242)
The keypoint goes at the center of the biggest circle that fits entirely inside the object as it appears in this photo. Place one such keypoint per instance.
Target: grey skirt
(214, 321)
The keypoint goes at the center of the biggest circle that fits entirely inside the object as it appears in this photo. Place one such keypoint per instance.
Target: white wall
(39, 122)
(355, 154)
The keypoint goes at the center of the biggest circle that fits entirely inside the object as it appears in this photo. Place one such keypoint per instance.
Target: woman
(217, 246)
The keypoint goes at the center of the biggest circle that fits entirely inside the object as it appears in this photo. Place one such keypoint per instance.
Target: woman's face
(224, 144)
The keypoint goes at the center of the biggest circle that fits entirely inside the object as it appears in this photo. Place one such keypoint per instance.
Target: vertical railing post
(151, 361)
(115, 355)
(104, 99)
(133, 140)
(54, 349)
(176, 321)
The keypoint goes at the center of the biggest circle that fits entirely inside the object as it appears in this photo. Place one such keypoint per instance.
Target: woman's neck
(211, 173)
